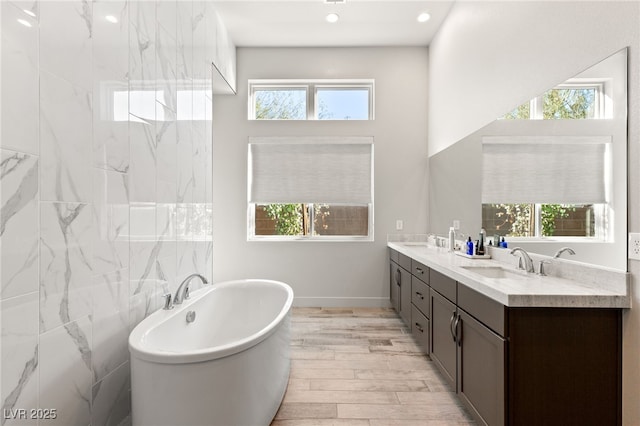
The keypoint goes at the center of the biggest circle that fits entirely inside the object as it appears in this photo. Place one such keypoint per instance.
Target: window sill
(323, 239)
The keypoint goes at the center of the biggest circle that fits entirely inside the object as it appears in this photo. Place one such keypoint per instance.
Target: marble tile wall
(105, 162)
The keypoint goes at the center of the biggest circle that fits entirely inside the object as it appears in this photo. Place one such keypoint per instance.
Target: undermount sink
(494, 272)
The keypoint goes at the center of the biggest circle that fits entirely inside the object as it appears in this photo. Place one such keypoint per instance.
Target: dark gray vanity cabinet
(519, 365)
(400, 285)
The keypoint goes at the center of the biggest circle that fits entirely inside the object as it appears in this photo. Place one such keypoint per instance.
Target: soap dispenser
(470, 247)
(452, 238)
(503, 243)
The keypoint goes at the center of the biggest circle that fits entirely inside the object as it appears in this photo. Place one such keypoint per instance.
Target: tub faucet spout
(183, 290)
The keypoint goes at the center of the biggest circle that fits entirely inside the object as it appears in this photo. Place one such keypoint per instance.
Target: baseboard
(342, 302)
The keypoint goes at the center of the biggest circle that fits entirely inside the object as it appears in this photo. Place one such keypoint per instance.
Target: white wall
(495, 55)
(489, 57)
(326, 273)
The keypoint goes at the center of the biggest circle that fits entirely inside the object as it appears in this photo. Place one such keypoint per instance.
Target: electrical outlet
(399, 225)
(456, 224)
(634, 245)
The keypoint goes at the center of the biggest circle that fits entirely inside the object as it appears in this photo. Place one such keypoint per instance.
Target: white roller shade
(545, 169)
(330, 170)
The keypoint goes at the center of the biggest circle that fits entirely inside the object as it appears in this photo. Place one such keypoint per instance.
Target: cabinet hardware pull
(419, 327)
(457, 339)
(420, 270)
(419, 295)
(453, 317)
(398, 276)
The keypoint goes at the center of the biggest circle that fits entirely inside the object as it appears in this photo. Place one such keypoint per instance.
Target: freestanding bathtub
(228, 367)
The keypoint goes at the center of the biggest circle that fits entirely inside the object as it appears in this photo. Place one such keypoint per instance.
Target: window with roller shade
(546, 186)
(311, 188)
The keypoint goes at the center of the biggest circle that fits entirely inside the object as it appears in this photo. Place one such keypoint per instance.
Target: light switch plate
(399, 225)
(634, 245)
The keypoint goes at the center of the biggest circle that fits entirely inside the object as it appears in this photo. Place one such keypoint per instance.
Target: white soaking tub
(228, 367)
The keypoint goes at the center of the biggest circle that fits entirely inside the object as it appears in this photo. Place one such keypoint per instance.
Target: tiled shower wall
(106, 191)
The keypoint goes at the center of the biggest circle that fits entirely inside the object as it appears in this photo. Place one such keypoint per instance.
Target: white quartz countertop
(524, 289)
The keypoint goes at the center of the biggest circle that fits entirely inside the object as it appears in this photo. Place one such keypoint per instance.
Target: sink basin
(495, 272)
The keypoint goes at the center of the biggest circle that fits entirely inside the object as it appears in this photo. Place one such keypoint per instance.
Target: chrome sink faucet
(528, 263)
(183, 291)
(562, 250)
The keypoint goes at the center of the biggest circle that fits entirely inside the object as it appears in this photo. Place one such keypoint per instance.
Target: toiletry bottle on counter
(470, 247)
(503, 243)
(452, 239)
(480, 248)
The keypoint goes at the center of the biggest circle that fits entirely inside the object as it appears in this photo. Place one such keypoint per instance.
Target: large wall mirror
(548, 174)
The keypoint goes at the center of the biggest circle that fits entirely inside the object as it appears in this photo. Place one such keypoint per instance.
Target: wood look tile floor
(361, 367)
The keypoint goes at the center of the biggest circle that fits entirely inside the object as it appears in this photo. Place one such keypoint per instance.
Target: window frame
(602, 231)
(311, 87)
(602, 109)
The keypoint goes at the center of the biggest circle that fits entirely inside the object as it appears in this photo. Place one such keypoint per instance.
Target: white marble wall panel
(167, 163)
(20, 98)
(19, 223)
(66, 238)
(110, 322)
(65, 373)
(111, 399)
(111, 85)
(185, 177)
(65, 140)
(66, 32)
(105, 169)
(111, 215)
(142, 173)
(19, 354)
(166, 59)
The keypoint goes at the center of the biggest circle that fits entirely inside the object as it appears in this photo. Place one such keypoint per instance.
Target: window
(544, 220)
(310, 100)
(573, 100)
(310, 188)
(558, 186)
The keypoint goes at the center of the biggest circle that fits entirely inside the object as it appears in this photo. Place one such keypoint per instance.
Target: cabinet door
(443, 344)
(481, 370)
(405, 296)
(394, 285)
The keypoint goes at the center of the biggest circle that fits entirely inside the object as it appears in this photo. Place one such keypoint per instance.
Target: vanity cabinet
(400, 285)
(520, 365)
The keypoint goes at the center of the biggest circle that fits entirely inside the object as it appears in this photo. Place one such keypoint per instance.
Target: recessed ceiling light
(424, 17)
(28, 12)
(111, 18)
(332, 18)
(25, 23)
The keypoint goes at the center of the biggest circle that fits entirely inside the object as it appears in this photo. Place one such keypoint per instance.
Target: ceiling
(301, 23)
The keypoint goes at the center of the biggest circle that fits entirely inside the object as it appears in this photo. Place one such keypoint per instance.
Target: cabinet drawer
(419, 270)
(446, 286)
(420, 329)
(404, 261)
(486, 310)
(393, 255)
(420, 295)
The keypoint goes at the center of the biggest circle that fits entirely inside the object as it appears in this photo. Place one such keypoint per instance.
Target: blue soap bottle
(503, 243)
(470, 247)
